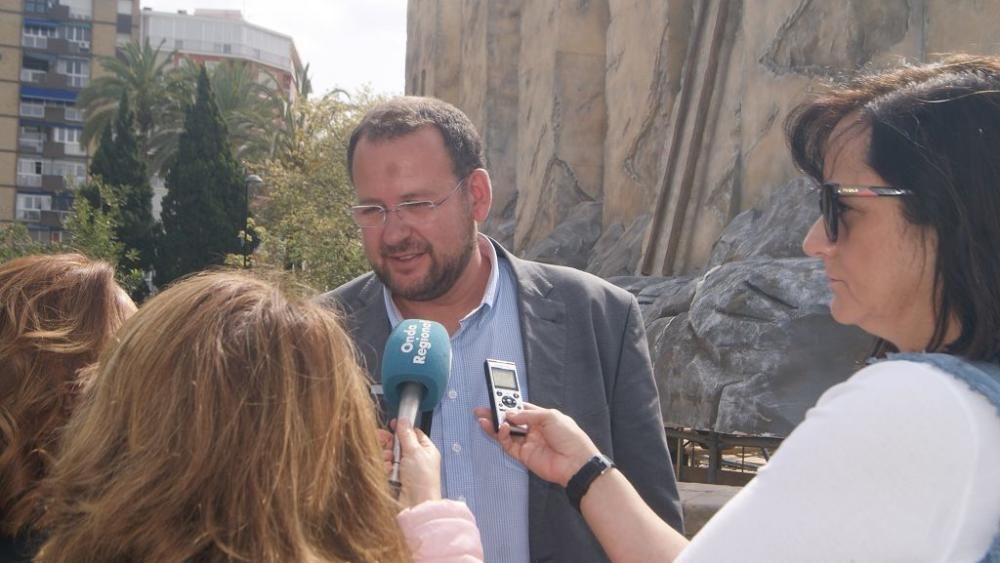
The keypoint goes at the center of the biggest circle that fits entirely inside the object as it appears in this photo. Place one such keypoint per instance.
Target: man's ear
(481, 190)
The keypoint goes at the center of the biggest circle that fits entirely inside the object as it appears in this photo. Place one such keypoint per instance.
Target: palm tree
(144, 74)
(249, 100)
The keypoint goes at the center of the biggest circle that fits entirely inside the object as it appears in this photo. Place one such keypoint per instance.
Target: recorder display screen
(504, 378)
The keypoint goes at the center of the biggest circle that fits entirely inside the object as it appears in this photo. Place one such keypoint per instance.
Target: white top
(899, 463)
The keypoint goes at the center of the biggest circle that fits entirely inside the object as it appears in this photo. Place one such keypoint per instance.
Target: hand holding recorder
(554, 448)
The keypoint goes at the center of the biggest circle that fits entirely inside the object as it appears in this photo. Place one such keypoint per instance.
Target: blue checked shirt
(473, 467)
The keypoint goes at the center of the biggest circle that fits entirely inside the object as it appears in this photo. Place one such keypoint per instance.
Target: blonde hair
(229, 423)
(56, 313)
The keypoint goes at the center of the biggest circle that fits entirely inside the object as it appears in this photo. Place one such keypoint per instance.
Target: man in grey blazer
(578, 342)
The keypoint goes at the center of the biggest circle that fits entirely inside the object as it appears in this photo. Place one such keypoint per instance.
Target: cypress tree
(118, 164)
(203, 211)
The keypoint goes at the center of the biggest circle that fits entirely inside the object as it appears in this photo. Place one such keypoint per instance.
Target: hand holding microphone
(416, 364)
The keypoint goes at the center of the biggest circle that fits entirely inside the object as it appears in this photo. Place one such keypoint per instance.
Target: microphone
(416, 365)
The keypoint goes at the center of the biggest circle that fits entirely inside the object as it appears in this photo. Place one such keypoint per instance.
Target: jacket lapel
(371, 326)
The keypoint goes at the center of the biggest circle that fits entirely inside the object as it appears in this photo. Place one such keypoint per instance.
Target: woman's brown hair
(56, 313)
(230, 422)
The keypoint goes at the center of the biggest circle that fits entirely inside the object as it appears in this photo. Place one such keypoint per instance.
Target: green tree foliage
(249, 100)
(203, 211)
(118, 166)
(144, 74)
(15, 241)
(91, 232)
(301, 214)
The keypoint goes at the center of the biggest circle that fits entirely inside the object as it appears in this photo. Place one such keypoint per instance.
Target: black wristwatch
(579, 484)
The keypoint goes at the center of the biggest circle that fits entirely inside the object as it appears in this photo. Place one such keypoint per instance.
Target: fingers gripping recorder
(416, 364)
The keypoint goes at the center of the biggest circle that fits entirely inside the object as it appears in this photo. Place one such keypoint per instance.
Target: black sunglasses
(829, 201)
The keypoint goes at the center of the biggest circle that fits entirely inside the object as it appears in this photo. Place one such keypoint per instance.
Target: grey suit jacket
(586, 354)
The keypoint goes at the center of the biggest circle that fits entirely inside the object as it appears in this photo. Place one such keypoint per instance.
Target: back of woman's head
(229, 422)
(934, 129)
(56, 313)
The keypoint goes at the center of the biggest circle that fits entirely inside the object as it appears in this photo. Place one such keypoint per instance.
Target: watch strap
(579, 484)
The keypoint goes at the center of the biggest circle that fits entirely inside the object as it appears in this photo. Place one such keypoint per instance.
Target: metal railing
(74, 149)
(29, 180)
(32, 75)
(32, 142)
(35, 41)
(74, 114)
(29, 214)
(32, 110)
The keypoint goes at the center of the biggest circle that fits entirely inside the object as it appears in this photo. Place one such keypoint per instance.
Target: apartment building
(49, 51)
(211, 36)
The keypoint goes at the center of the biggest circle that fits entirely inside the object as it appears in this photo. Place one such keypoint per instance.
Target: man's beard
(443, 273)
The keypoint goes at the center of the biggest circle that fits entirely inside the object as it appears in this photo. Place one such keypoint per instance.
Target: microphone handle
(409, 405)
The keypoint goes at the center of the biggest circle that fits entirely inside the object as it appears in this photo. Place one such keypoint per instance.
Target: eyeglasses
(829, 201)
(367, 216)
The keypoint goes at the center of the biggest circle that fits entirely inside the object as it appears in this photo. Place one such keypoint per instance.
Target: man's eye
(368, 211)
(416, 205)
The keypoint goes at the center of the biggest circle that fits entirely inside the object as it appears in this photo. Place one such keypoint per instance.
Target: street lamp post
(256, 181)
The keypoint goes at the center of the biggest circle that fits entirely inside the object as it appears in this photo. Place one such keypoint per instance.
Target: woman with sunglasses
(900, 462)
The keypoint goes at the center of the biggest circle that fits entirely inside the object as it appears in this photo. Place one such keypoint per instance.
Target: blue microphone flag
(417, 351)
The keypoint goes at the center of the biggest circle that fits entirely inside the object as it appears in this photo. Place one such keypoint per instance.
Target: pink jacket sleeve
(441, 531)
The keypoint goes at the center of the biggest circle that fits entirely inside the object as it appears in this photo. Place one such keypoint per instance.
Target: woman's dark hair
(935, 130)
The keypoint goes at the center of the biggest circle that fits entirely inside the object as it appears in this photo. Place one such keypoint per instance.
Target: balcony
(73, 114)
(74, 149)
(34, 42)
(53, 183)
(52, 218)
(32, 75)
(58, 45)
(29, 215)
(46, 79)
(58, 12)
(54, 150)
(32, 110)
(31, 143)
(29, 180)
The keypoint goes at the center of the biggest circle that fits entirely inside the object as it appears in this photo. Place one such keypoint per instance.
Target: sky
(347, 43)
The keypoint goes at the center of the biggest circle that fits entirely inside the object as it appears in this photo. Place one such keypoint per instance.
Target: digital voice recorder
(505, 395)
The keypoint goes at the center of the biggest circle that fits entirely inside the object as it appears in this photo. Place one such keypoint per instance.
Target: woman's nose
(816, 243)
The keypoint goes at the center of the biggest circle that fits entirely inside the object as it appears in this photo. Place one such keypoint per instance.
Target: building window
(36, 37)
(31, 137)
(31, 109)
(73, 114)
(79, 9)
(29, 166)
(30, 206)
(79, 35)
(63, 135)
(125, 7)
(76, 70)
(37, 6)
(76, 171)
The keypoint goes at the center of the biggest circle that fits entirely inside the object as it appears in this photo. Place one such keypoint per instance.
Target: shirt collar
(489, 295)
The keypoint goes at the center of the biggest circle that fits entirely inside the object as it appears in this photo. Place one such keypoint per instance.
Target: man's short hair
(403, 115)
